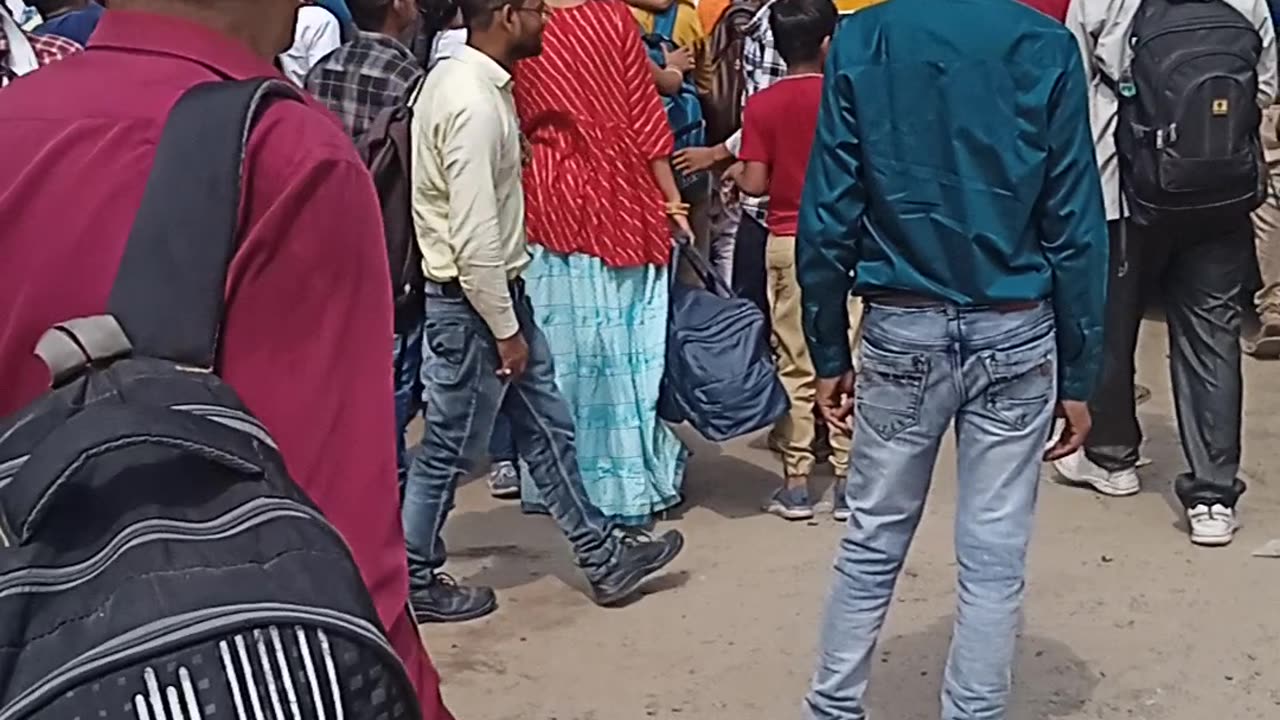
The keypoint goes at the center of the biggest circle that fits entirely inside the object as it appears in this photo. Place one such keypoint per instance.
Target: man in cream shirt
(1199, 269)
(480, 342)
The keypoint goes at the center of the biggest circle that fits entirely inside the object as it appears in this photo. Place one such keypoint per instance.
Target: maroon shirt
(778, 125)
(307, 338)
(1056, 9)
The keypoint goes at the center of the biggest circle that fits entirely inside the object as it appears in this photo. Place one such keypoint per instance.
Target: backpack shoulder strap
(168, 293)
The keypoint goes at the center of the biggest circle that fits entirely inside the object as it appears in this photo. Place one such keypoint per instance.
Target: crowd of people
(953, 215)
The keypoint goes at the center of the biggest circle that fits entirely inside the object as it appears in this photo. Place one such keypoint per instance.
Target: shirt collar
(487, 66)
(162, 34)
(386, 42)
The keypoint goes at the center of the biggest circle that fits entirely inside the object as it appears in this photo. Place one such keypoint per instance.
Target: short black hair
(800, 26)
(370, 15)
(478, 14)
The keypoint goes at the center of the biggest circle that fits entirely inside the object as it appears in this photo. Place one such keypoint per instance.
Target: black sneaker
(444, 600)
(639, 555)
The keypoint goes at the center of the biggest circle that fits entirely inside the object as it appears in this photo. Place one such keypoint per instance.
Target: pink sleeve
(649, 125)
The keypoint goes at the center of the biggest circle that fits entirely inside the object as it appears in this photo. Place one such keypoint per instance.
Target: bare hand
(513, 354)
(835, 400)
(681, 228)
(679, 59)
(694, 159)
(1074, 430)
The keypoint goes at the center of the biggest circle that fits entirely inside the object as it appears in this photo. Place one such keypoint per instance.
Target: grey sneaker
(504, 481)
(790, 504)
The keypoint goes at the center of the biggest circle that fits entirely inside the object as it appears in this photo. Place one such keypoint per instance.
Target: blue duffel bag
(720, 377)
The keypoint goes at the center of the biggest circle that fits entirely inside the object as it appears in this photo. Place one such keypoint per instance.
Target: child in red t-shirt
(778, 125)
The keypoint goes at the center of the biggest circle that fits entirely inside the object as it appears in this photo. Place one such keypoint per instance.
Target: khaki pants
(793, 436)
(1266, 238)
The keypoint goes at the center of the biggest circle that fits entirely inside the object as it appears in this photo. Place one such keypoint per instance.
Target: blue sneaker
(790, 504)
(840, 503)
(504, 481)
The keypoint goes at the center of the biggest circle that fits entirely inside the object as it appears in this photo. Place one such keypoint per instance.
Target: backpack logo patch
(1221, 106)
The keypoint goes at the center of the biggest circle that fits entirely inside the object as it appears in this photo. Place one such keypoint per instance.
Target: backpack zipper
(191, 628)
(1136, 46)
(58, 579)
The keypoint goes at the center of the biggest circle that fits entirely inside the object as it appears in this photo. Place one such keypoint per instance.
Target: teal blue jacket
(953, 160)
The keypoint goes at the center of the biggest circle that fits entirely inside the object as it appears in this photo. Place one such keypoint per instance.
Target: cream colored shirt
(1102, 29)
(468, 202)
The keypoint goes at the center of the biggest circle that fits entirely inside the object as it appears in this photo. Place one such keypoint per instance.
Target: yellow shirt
(468, 201)
(688, 33)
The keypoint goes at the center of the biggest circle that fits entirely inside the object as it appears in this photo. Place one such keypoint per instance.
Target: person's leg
(461, 396)
(1266, 342)
(748, 262)
(1206, 271)
(614, 560)
(407, 364)
(504, 478)
(794, 433)
(1010, 390)
(905, 400)
(1109, 460)
(726, 216)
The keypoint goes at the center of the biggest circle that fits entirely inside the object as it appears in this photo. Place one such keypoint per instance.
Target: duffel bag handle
(684, 250)
(58, 461)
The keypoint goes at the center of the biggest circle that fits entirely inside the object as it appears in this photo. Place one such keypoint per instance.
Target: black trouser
(1198, 272)
(749, 277)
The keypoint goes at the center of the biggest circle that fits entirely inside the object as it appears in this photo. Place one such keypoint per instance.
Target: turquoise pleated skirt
(607, 328)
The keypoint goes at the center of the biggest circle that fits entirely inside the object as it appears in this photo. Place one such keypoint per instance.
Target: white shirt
(1102, 29)
(316, 34)
(468, 200)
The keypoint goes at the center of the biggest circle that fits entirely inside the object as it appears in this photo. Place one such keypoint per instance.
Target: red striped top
(591, 112)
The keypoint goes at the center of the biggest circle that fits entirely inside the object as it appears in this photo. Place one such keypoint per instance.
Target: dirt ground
(1124, 618)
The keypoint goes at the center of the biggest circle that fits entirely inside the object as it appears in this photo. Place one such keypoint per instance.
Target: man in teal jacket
(953, 186)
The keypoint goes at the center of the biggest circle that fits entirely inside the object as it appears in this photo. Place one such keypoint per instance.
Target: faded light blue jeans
(462, 395)
(992, 375)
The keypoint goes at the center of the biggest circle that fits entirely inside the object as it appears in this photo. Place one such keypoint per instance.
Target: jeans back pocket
(1022, 384)
(890, 390)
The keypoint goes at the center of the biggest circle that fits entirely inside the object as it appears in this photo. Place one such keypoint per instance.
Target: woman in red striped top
(598, 190)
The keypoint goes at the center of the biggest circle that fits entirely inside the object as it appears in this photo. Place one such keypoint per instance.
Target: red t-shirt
(1056, 9)
(306, 336)
(778, 124)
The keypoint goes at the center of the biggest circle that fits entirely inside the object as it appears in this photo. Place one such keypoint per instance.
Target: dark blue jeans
(462, 396)
(502, 444)
(407, 362)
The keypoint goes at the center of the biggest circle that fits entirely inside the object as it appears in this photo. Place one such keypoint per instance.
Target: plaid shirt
(48, 49)
(762, 66)
(364, 77)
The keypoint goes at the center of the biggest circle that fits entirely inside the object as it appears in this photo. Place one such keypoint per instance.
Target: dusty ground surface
(1124, 618)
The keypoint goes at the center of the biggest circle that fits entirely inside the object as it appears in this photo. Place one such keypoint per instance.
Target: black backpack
(156, 561)
(1189, 119)
(386, 148)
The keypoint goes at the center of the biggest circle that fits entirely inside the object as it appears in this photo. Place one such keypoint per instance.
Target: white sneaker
(1078, 469)
(1212, 525)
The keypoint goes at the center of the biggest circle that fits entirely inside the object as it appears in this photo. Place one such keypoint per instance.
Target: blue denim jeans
(407, 364)
(991, 375)
(502, 443)
(462, 396)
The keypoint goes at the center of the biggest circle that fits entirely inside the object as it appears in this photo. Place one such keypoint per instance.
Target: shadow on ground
(1050, 680)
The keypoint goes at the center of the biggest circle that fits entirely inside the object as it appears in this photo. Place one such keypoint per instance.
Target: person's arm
(754, 178)
(829, 225)
(1073, 232)
(667, 80)
(650, 131)
(470, 155)
(1267, 63)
